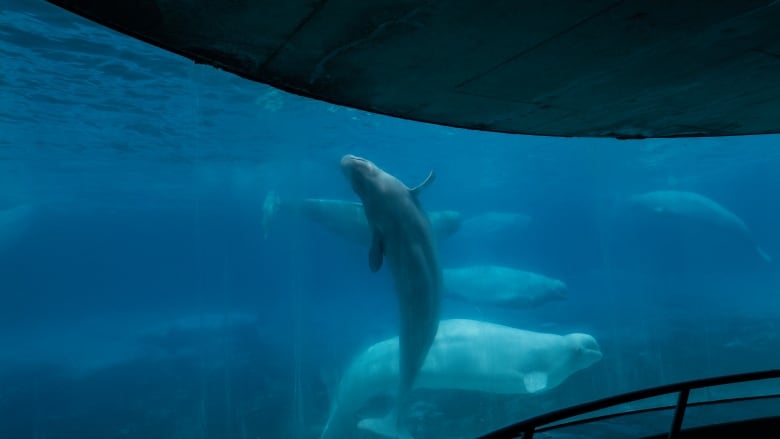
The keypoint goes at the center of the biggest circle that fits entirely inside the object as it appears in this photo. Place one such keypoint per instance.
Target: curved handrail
(529, 426)
(659, 408)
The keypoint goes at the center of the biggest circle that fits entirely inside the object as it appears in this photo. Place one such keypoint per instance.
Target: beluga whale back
(401, 233)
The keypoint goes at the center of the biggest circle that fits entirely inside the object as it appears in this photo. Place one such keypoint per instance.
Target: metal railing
(527, 428)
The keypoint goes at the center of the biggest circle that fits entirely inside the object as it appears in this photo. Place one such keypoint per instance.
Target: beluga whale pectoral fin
(376, 252)
(428, 180)
(535, 382)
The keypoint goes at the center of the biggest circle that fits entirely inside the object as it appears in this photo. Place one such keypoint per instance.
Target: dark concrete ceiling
(603, 68)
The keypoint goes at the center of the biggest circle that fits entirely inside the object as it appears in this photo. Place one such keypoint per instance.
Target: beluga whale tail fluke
(387, 426)
(401, 233)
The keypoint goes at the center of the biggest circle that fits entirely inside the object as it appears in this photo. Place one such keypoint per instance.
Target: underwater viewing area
(187, 252)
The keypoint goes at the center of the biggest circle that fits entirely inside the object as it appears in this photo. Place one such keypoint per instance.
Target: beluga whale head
(550, 366)
(586, 350)
(360, 173)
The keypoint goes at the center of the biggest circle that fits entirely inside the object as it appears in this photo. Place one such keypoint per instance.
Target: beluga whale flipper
(401, 233)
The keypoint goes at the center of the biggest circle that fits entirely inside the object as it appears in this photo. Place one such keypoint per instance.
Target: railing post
(679, 412)
(529, 434)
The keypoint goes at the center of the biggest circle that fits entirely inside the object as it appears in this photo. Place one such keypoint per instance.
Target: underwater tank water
(181, 256)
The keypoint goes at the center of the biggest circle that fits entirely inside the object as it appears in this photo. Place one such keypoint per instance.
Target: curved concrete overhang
(594, 68)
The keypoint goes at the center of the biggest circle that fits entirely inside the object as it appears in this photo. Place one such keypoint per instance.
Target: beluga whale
(700, 214)
(501, 286)
(467, 355)
(401, 233)
(347, 219)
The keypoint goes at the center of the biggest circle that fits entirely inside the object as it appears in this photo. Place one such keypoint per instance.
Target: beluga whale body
(401, 233)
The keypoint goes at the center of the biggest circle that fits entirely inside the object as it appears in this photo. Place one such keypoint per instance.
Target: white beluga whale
(466, 355)
(401, 233)
(696, 215)
(348, 218)
(501, 286)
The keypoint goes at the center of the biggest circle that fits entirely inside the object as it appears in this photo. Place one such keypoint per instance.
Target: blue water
(140, 298)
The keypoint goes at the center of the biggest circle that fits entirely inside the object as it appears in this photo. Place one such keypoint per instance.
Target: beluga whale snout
(401, 233)
(348, 162)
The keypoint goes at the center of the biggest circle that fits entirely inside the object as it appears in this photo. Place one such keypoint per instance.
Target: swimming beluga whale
(466, 355)
(401, 233)
(697, 211)
(501, 286)
(347, 219)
